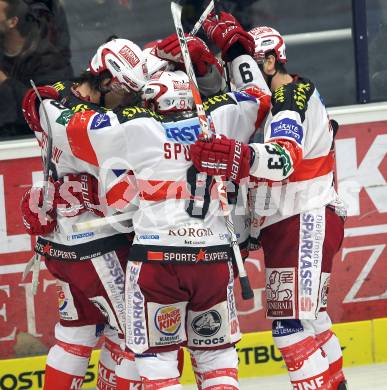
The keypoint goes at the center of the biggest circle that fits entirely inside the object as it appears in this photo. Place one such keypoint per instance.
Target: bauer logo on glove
(219, 155)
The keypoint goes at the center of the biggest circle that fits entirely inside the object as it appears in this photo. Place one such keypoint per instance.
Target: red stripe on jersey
(79, 138)
(122, 192)
(157, 256)
(159, 190)
(264, 103)
(314, 167)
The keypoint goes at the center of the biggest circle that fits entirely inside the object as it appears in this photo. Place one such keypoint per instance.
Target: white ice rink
(370, 377)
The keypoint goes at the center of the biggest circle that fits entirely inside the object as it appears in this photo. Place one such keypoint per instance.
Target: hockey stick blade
(247, 291)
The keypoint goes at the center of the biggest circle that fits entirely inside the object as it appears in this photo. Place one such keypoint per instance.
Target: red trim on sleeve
(264, 103)
(314, 167)
(78, 137)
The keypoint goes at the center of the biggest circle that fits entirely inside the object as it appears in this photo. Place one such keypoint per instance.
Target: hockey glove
(37, 221)
(219, 155)
(226, 32)
(201, 56)
(78, 193)
(30, 105)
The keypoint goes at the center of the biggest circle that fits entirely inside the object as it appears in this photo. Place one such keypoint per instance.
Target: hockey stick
(224, 63)
(210, 7)
(176, 9)
(34, 262)
(100, 222)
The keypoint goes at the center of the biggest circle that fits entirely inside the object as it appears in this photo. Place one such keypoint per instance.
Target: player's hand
(201, 56)
(219, 155)
(37, 221)
(225, 31)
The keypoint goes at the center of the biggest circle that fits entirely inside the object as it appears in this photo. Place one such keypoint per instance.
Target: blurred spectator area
(319, 41)
(34, 44)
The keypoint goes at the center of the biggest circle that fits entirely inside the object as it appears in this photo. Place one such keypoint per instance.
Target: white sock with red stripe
(108, 359)
(127, 376)
(307, 365)
(330, 344)
(68, 359)
(66, 366)
(159, 371)
(216, 369)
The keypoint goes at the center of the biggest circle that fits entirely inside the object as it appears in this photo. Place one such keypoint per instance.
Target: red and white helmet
(168, 91)
(267, 39)
(125, 61)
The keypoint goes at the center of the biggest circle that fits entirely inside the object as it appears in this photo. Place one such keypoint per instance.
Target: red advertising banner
(358, 288)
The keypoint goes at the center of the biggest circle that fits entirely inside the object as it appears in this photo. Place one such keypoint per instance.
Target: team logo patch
(64, 117)
(100, 121)
(207, 324)
(279, 292)
(244, 97)
(168, 320)
(288, 128)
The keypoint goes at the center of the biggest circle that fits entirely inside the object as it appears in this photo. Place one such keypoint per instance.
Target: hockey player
(89, 266)
(212, 86)
(180, 275)
(301, 217)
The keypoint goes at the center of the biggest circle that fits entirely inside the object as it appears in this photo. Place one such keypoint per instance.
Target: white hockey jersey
(59, 243)
(294, 165)
(179, 217)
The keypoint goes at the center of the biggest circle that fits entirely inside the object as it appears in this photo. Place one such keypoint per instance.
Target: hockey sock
(66, 366)
(109, 358)
(158, 384)
(198, 376)
(127, 376)
(307, 365)
(329, 343)
(216, 369)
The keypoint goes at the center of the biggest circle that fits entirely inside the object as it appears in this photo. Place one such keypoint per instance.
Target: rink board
(363, 342)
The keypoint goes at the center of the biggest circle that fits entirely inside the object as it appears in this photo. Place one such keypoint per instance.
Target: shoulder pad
(293, 97)
(216, 101)
(125, 114)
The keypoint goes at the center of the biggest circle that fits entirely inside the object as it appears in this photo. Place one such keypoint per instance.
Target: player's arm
(276, 158)
(207, 67)
(237, 48)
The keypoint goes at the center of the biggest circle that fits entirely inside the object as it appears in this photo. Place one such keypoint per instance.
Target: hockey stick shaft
(100, 222)
(210, 7)
(47, 159)
(176, 9)
(224, 64)
(34, 263)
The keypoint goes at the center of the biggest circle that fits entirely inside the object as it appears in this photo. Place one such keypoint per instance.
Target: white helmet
(154, 63)
(125, 61)
(168, 91)
(267, 39)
